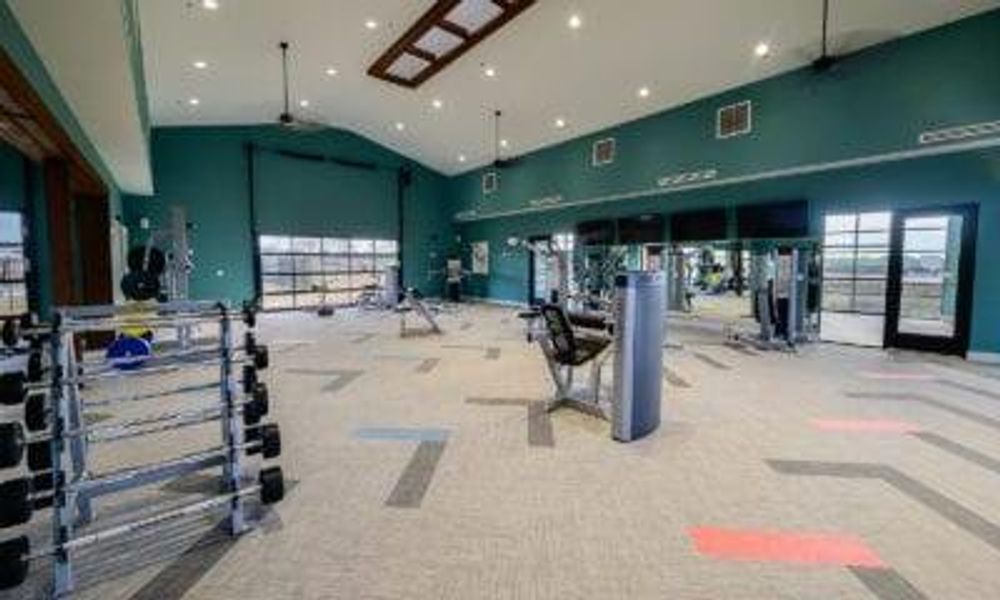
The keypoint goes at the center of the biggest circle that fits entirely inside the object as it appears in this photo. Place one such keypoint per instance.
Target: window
(13, 266)
(547, 277)
(304, 272)
(856, 263)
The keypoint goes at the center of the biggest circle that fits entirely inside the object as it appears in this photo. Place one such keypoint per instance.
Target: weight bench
(413, 302)
(566, 348)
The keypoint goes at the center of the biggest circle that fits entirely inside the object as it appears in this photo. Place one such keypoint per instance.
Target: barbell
(37, 411)
(14, 444)
(16, 553)
(20, 497)
(16, 386)
(27, 326)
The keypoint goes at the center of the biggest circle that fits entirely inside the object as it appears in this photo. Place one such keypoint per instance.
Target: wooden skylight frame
(448, 29)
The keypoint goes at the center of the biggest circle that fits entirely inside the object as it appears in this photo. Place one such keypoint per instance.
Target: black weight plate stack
(13, 562)
(15, 507)
(156, 265)
(11, 445)
(272, 485)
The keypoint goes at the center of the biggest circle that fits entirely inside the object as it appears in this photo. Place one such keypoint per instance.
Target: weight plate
(137, 262)
(128, 353)
(140, 285)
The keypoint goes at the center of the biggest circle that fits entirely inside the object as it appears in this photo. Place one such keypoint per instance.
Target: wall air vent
(491, 181)
(446, 31)
(603, 152)
(687, 178)
(963, 132)
(733, 120)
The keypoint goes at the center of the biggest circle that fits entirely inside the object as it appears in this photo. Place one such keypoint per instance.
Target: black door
(931, 269)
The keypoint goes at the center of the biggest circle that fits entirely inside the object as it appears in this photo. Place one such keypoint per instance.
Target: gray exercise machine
(413, 302)
(784, 282)
(632, 333)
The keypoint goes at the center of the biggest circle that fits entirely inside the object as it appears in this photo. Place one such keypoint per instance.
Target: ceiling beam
(421, 53)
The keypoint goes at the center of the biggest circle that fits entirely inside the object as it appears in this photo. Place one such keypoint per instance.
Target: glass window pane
(926, 223)
(276, 263)
(385, 246)
(333, 245)
(362, 280)
(276, 283)
(309, 283)
(873, 264)
(920, 240)
(879, 239)
(338, 282)
(277, 302)
(10, 228)
(336, 263)
(11, 264)
(362, 262)
(842, 240)
(308, 264)
(382, 261)
(874, 221)
(308, 300)
(363, 246)
(837, 223)
(275, 243)
(307, 244)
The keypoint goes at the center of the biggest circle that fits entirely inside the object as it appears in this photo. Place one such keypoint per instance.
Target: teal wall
(842, 140)
(205, 170)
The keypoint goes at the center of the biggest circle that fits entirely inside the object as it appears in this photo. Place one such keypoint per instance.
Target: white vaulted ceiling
(589, 76)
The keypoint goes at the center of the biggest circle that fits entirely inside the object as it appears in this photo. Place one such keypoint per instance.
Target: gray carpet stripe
(415, 480)
(886, 584)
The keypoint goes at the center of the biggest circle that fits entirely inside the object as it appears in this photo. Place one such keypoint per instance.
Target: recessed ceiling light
(644, 92)
(461, 158)
(560, 122)
(210, 4)
(331, 71)
(400, 126)
(762, 49)
(371, 24)
(437, 103)
(490, 72)
(200, 64)
(194, 101)
(575, 22)
(504, 143)
(304, 103)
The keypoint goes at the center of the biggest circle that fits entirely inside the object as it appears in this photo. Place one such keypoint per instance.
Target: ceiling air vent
(490, 182)
(603, 152)
(733, 120)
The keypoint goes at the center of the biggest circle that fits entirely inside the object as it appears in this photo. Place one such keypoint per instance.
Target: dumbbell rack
(73, 489)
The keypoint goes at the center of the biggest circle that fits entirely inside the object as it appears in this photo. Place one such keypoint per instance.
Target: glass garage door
(304, 272)
(855, 274)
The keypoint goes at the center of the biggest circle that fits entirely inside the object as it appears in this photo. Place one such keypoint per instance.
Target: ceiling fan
(499, 162)
(826, 61)
(287, 119)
